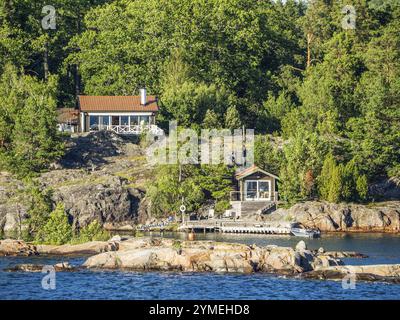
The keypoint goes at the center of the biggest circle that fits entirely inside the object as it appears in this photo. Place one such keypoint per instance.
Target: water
(155, 285)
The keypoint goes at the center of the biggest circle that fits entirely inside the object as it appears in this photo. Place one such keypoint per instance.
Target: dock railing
(238, 226)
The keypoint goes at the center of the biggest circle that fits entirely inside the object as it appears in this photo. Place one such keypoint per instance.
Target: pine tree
(39, 209)
(211, 120)
(57, 229)
(32, 141)
(362, 187)
(349, 176)
(325, 178)
(232, 119)
(335, 184)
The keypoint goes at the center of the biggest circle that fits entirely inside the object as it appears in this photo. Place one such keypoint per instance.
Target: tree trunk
(77, 82)
(309, 40)
(46, 60)
(76, 75)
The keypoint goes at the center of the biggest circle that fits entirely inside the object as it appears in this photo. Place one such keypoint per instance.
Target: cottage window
(104, 122)
(94, 123)
(115, 120)
(124, 120)
(134, 120)
(144, 120)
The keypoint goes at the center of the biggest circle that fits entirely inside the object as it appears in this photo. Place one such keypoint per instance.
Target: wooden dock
(226, 226)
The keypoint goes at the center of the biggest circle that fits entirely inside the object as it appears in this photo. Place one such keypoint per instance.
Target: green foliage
(215, 180)
(39, 208)
(24, 43)
(211, 120)
(232, 51)
(232, 119)
(362, 187)
(341, 182)
(394, 174)
(335, 184)
(166, 191)
(325, 178)
(198, 184)
(29, 140)
(57, 230)
(92, 232)
(304, 153)
(267, 155)
(221, 206)
(177, 245)
(281, 67)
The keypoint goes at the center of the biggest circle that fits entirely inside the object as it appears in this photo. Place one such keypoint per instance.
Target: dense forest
(317, 76)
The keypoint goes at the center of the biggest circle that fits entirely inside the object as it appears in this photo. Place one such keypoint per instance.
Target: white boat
(307, 233)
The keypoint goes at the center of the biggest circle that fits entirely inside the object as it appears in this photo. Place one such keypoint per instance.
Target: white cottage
(120, 114)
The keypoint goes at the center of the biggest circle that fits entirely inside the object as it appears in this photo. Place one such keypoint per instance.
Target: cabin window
(94, 123)
(115, 120)
(134, 120)
(144, 120)
(264, 189)
(124, 120)
(104, 122)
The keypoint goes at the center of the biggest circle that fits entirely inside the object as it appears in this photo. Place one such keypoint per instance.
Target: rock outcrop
(198, 256)
(102, 177)
(92, 247)
(385, 273)
(380, 217)
(59, 267)
(10, 247)
(156, 254)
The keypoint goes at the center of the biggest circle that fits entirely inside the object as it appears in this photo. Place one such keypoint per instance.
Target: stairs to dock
(256, 207)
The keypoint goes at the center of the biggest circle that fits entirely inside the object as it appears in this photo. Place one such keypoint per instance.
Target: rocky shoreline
(158, 254)
(351, 218)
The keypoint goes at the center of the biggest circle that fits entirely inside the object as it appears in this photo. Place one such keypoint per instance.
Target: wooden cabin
(120, 114)
(255, 184)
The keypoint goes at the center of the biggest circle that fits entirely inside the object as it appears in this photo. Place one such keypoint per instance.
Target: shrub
(177, 245)
(221, 206)
(93, 232)
(362, 187)
(39, 209)
(57, 229)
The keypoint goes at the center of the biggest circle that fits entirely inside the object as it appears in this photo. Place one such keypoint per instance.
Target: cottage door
(251, 190)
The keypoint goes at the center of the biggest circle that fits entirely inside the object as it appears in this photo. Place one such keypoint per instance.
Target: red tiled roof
(117, 103)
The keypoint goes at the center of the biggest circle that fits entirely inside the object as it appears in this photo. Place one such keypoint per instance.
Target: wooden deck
(226, 226)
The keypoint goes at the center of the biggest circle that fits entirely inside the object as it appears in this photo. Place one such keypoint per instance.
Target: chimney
(143, 96)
